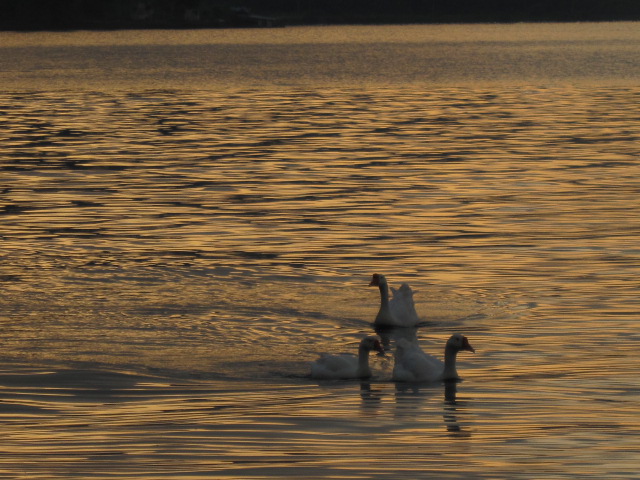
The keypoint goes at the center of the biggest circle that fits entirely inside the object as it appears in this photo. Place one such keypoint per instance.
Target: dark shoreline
(66, 15)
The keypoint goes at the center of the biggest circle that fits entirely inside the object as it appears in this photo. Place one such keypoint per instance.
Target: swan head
(372, 343)
(377, 280)
(459, 342)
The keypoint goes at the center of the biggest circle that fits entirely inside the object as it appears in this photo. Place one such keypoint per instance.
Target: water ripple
(214, 242)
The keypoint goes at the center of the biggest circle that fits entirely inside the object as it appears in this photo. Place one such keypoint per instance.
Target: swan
(399, 311)
(347, 365)
(413, 365)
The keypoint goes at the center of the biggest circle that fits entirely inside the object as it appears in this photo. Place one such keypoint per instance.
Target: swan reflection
(450, 409)
(371, 399)
(389, 335)
(410, 397)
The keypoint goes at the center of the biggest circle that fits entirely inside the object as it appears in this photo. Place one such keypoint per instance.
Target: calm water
(188, 218)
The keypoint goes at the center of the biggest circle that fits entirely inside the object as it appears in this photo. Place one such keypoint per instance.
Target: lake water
(188, 218)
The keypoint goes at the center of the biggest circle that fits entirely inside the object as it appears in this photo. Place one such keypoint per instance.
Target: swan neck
(384, 316)
(450, 363)
(363, 362)
(384, 293)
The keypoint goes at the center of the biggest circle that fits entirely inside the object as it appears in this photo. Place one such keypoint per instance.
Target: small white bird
(344, 366)
(399, 311)
(413, 365)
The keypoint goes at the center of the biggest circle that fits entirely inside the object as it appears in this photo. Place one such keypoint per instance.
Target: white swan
(399, 311)
(413, 365)
(347, 365)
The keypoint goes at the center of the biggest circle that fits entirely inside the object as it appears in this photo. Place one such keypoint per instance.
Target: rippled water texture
(173, 255)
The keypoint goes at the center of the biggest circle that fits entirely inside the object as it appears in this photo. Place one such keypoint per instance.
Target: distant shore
(60, 15)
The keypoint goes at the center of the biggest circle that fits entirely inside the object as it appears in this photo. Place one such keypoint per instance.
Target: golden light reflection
(117, 418)
(221, 239)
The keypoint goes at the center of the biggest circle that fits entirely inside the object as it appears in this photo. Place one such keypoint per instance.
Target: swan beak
(467, 346)
(375, 280)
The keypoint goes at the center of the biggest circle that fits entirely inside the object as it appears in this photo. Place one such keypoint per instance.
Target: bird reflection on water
(450, 409)
(410, 400)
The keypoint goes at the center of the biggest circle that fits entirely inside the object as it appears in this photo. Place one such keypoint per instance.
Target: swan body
(344, 366)
(398, 311)
(413, 365)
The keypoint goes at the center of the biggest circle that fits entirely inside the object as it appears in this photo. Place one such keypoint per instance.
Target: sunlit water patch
(173, 258)
(81, 423)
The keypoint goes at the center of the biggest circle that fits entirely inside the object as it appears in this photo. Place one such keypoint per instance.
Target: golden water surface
(174, 253)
